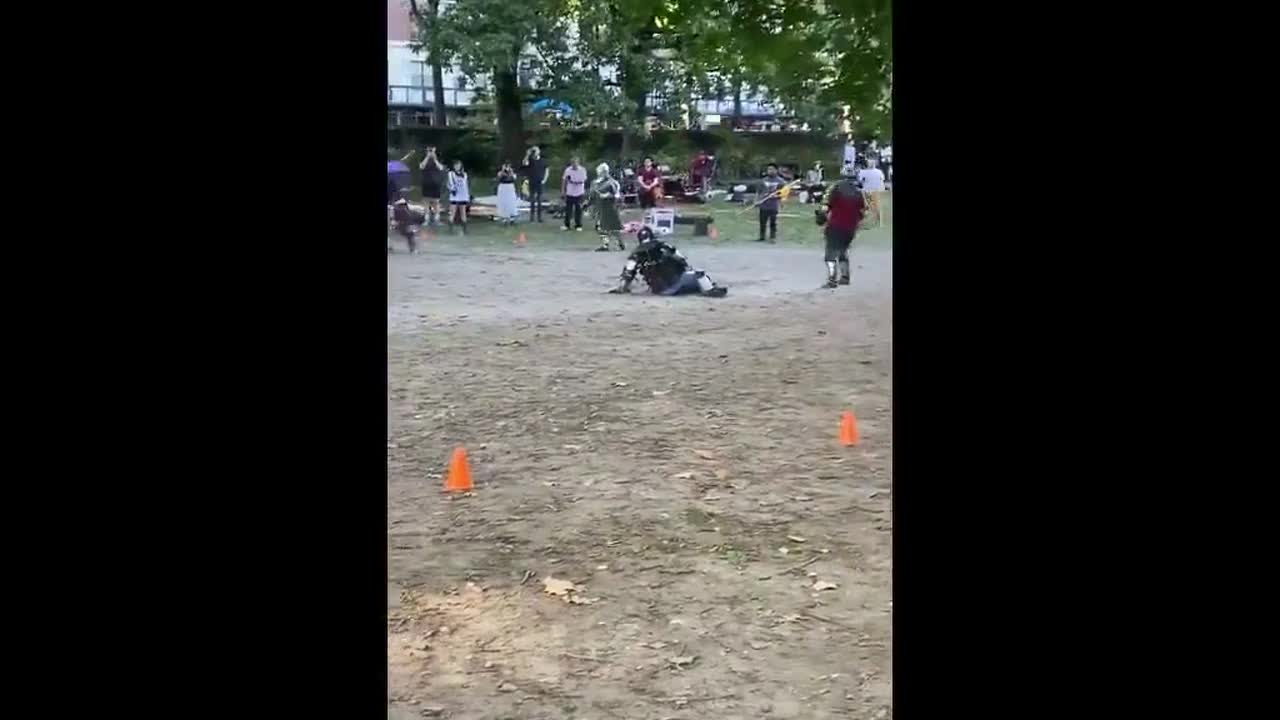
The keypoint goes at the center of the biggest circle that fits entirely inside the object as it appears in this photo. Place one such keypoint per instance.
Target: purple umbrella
(395, 166)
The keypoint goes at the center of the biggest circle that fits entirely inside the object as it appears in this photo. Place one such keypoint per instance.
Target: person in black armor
(665, 270)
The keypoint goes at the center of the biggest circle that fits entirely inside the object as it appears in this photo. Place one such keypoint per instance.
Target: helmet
(645, 234)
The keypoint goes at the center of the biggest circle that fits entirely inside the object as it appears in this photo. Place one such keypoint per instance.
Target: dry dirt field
(675, 459)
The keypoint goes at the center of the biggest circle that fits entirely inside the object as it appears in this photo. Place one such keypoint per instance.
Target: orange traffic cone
(459, 477)
(520, 239)
(848, 429)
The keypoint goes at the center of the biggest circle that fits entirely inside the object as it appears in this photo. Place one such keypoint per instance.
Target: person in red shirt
(845, 208)
(649, 180)
(700, 171)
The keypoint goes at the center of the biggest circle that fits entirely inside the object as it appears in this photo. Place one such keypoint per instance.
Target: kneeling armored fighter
(665, 270)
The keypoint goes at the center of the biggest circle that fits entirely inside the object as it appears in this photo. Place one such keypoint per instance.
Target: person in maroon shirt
(649, 180)
(700, 171)
(845, 208)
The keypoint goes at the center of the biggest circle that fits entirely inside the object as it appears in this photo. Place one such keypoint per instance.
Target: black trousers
(573, 209)
(535, 202)
(838, 242)
(769, 218)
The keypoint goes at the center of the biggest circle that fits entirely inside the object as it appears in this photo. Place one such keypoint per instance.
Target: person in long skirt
(459, 195)
(508, 202)
(607, 193)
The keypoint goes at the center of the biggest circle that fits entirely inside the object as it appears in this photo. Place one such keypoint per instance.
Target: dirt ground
(676, 459)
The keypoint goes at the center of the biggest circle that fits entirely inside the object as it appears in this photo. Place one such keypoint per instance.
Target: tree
(439, 116)
(614, 35)
(822, 56)
(495, 40)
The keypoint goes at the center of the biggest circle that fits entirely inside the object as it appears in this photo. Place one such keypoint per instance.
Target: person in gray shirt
(770, 183)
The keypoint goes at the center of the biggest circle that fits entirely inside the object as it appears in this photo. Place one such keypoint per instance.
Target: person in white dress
(459, 195)
(508, 201)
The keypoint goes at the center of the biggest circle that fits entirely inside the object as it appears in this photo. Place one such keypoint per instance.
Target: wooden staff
(797, 181)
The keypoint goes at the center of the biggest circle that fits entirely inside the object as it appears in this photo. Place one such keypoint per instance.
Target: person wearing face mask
(607, 193)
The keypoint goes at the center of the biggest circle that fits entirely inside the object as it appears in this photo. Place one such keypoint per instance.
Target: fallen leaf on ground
(579, 600)
(684, 476)
(552, 586)
(795, 538)
(683, 660)
(824, 585)
(705, 454)
(619, 384)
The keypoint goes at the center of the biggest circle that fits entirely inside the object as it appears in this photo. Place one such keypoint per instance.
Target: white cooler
(661, 220)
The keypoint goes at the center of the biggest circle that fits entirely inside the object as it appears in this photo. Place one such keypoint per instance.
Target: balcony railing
(415, 96)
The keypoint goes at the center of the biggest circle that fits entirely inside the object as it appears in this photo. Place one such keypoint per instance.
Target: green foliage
(816, 57)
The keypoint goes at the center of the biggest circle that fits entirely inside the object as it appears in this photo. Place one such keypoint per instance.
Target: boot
(844, 272)
(831, 274)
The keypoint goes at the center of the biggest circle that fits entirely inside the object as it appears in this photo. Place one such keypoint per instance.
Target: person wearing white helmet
(607, 191)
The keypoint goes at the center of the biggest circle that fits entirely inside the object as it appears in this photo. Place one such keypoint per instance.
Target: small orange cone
(459, 477)
(520, 239)
(848, 429)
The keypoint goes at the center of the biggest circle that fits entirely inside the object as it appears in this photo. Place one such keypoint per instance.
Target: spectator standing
(535, 169)
(573, 189)
(872, 180)
(886, 157)
(508, 203)
(649, 181)
(459, 195)
(768, 187)
(432, 182)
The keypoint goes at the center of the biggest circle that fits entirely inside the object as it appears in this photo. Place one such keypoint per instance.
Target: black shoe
(830, 284)
(759, 239)
(717, 292)
(603, 248)
(844, 280)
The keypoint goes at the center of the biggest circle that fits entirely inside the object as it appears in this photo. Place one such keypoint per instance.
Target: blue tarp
(549, 104)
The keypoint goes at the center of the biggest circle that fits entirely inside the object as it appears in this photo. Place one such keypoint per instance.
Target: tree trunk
(737, 104)
(439, 117)
(634, 89)
(506, 100)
